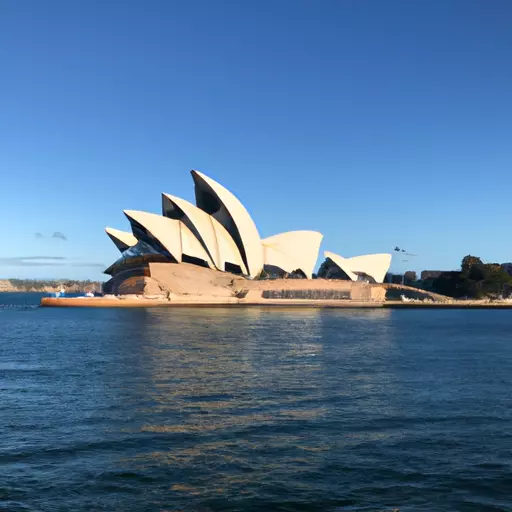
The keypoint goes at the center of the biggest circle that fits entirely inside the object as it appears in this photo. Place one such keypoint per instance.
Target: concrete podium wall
(183, 280)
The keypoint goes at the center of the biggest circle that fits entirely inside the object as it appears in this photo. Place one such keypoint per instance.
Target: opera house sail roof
(369, 266)
(122, 239)
(219, 233)
(212, 235)
(293, 250)
(223, 206)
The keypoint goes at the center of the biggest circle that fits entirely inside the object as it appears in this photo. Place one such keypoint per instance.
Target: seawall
(114, 302)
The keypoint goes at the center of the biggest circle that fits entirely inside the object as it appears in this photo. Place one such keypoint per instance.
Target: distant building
(431, 274)
(410, 277)
(397, 278)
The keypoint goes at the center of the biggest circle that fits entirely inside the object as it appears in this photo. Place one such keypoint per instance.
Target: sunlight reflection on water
(250, 409)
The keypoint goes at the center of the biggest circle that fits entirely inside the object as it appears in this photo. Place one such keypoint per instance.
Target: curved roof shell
(228, 250)
(293, 250)
(168, 234)
(211, 234)
(122, 239)
(191, 246)
(342, 263)
(374, 265)
(226, 208)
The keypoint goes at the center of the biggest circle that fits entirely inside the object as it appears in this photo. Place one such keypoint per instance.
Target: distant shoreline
(13, 285)
(51, 290)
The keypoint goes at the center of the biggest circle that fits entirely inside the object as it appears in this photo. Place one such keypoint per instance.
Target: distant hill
(53, 285)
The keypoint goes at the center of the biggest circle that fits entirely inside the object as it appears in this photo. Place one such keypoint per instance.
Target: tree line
(474, 280)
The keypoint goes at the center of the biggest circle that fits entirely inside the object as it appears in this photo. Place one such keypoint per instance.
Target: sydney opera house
(218, 234)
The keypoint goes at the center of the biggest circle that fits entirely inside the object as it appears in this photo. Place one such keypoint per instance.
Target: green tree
(474, 281)
(468, 261)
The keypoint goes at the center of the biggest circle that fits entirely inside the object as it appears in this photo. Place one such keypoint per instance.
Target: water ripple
(257, 409)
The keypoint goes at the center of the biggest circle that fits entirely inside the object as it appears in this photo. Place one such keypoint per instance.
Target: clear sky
(379, 123)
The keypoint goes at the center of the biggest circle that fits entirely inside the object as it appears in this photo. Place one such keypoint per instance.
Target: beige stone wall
(378, 293)
(131, 286)
(190, 280)
(359, 291)
(187, 279)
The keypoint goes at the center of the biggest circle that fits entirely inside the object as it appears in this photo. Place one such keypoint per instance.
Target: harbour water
(254, 409)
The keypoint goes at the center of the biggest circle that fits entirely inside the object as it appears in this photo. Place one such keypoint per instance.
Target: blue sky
(379, 123)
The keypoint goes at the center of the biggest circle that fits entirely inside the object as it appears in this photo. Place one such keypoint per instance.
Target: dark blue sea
(254, 409)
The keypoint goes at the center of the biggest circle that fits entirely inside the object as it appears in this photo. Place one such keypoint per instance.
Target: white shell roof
(215, 237)
(293, 250)
(250, 238)
(374, 265)
(172, 234)
(121, 239)
(342, 263)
